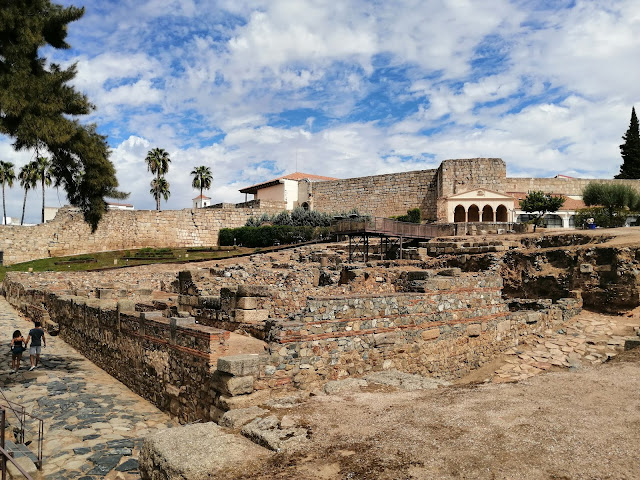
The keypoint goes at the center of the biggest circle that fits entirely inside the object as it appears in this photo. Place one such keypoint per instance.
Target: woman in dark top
(18, 345)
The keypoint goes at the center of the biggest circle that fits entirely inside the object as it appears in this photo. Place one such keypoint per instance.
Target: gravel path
(93, 424)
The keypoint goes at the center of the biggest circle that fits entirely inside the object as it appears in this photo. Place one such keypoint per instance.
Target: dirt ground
(578, 423)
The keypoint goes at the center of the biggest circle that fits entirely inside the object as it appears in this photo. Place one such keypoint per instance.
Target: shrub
(269, 235)
(602, 216)
(413, 216)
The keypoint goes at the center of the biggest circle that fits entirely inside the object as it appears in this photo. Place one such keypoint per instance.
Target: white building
(295, 189)
(201, 201)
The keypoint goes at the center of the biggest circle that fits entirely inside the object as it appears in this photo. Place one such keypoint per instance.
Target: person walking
(36, 335)
(18, 345)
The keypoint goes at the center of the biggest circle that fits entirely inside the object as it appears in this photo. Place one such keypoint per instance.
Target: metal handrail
(22, 420)
(4, 454)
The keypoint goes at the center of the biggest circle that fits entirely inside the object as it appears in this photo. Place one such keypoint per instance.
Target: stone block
(231, 385)
(431, 334)
(227, 402)
(239, 365)
(474, 330)
(211, 302)
(169, 455)
(127, 305)
(385, 338)
(586, 268)
(105, 293)
(504, 326)
(450, 272)
(419, 275)
(242, 416)
(247, 303)
(251, 316)
(532, 317)
(254, 291)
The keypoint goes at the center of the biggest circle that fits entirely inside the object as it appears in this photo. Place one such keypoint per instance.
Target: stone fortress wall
(68, 234)
(378, 195)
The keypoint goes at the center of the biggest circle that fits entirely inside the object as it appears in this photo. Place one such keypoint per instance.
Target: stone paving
(588, 339)
(93, 424)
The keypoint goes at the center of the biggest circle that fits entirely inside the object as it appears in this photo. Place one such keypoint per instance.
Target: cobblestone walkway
(94, 425)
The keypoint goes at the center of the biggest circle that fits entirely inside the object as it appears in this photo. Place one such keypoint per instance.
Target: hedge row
(269, 235)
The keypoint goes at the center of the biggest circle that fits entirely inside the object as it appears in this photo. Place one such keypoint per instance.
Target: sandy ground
(578, 423)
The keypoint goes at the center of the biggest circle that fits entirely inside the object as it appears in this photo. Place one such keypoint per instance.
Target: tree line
(158, 162)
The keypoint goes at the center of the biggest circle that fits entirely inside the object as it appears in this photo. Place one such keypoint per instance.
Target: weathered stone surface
(241, 416)
(25, 463)
(586, 268)
(231, 385)
(342, 386)
(247, 303)
(227, 402)
(404, 381)
(239, 365)
(268, 433)
(195, 452)
(431, 334)
(251, 316)
(474, 330)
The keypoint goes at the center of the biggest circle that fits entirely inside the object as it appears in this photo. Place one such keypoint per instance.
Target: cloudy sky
(257, 89)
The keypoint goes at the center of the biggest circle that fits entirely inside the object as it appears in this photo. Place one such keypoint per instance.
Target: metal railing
(4, 454)
(21, 415)
(385, 226)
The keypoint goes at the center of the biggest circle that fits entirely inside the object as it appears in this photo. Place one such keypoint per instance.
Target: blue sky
(351, 88)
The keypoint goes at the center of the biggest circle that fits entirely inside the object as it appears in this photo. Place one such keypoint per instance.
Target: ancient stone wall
(379, 195)
(451, 327)
(68, 234)
(168, 361)
(570, 186)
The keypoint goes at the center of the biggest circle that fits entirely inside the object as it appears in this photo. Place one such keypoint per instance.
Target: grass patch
(123, 258)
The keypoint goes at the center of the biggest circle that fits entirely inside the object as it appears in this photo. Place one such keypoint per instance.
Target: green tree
(28, 177)
(617, 200)
(39, 107)
(43, 174)
(202, 178)
(541, 203)
(7, 176)
(160, 189)
(630, 150)
(158, 163)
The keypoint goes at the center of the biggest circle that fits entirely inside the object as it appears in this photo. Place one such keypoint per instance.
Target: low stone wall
(168, 361)
(441, 325)
(68, 234)
(452, 326)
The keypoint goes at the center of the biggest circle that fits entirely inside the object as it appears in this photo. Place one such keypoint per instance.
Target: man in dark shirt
(36, 335)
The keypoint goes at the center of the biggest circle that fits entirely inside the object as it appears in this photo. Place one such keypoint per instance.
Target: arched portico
(487, 213)
(502, 214)
(459, 214)
(473, 215)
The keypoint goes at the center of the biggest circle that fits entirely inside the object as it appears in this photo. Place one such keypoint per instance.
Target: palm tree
(28, 177)
(160, 188)
(202, 178)
(43, 171)
(7, 175)
(158, 163)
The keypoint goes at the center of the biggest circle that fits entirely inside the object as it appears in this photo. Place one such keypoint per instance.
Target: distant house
(201, 201)
(119, 206)
(295, 189)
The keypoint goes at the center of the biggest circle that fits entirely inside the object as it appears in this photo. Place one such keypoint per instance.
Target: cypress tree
(630, 150)
(39, 109)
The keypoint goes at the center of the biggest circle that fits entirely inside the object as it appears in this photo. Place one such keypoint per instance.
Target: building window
(459, 215)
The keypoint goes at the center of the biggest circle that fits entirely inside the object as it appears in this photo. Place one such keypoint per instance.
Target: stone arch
(487, 214)
(459, 214)
(473, 215)
(501, 214)
(305, 205)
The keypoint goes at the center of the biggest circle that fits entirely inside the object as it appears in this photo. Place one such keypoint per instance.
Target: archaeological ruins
(224, 341)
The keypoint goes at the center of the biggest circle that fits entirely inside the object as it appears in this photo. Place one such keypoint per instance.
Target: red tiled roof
(569, 203)
(202, 196)
(290, 176)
